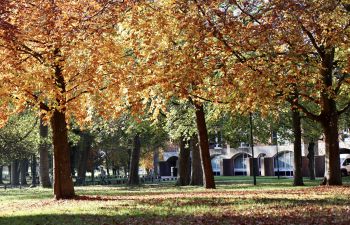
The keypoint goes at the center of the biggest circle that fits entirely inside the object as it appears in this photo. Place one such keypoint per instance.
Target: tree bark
(297, 174)
(85, 149)
(329, 120)
(332, 160)
(196, 166)
(15, 172)
(134, 162)
(311, 157)
(1, 178)
(208, 180)
(44, 156)
(183, 177)
(156, 162)
(23, 165)
(63, 184)
(33, 168)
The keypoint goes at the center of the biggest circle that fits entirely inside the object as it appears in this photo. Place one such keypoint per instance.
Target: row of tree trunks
(44, 156)
(134, 162)
(196, 165)
(85, 147)
(208, 178)
(298, 177)
(184, 171)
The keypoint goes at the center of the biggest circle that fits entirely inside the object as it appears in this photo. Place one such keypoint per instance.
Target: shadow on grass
(145, 218)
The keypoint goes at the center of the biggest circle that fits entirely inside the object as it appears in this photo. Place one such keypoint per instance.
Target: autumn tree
(313, 55)
(278, 48)
(54, 55)
(169, 39)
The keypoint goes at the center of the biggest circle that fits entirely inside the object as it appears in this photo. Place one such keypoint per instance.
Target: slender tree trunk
(156, 162)
(85, 149)
(1, 178)
(63, 184)
(10, 172)
(183, 177)
(107, 166)
(23, 165)
(332, 171)
(208, 180)
(93, 174)
(298, 177)
(134, 162)
(196, 171)
(311, 157)
(15, 172)
(33, 168)
(73, 153)
(44, 156)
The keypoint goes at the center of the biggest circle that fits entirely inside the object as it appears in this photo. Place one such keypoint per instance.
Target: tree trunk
(63, 184)
(23, 165)
(208, 180)
(73, 153)
(33, 168)
(184, 172)
(85, 149)
(156, 162)
(134, 162)
(329, 120)
(311, 157)
(332, 158)
(44, 156)
(298, 177)
(15, 172)
(1, 179)
(196, 170)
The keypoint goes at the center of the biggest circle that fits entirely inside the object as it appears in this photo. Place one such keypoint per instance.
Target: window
(346, 162)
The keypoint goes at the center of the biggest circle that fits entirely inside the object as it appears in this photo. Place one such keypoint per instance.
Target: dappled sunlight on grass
(235, 201)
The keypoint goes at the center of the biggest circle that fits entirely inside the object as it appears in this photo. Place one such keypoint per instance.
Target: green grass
(235, 201)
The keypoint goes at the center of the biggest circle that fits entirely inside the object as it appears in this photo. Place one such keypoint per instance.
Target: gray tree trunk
(134, 162)
(196, 166)
(15, 172)
(184, 173)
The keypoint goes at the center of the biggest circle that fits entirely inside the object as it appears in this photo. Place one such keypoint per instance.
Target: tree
(181, 62)
(317, 63)
(44, 156)
(18, 141)
(62, 46)
(196, 166)
(287, 46)
(184, 171)
(135, 161)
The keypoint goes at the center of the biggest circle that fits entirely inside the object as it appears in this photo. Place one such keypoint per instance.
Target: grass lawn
(235, 201)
